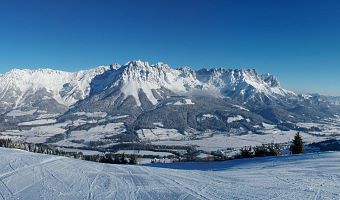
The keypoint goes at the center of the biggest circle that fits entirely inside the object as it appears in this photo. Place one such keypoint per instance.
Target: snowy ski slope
(26, 175)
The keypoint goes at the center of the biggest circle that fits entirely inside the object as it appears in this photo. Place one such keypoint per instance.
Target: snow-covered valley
(25, 175)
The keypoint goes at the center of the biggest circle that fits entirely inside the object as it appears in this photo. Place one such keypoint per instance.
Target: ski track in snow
(26, 175)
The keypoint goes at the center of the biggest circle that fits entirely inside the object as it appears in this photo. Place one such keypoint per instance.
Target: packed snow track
(26, 175)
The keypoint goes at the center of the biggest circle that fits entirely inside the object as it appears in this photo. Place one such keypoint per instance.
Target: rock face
(144, 96)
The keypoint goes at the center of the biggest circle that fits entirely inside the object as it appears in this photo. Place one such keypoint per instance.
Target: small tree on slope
(297, 145)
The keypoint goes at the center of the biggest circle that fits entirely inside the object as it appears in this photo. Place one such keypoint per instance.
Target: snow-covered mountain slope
(36, 176)
(66, 88)
(140, 76)
(245, 85)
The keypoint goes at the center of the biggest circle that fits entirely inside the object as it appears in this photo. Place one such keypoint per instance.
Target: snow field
(27, 175)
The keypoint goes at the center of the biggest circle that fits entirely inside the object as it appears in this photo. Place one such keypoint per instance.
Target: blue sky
(296, 40)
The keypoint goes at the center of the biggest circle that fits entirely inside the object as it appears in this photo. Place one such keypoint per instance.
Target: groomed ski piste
(25, 175)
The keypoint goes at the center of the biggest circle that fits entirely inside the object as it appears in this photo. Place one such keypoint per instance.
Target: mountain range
(142, 99)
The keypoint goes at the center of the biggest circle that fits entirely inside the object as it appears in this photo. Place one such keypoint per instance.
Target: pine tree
(297, 145)
(123, 159)
(133, 160)
(260, 151)
(246, 152)
(274, 150)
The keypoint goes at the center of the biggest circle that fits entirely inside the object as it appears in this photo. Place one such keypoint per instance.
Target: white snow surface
(98, 132)
(38, 122)
(37, 134)
(17, 113)
(92, 115)
(240, 107)
(27, 175)
(159, 133)
(159, 124)
(207, 116)
(234, 119)
(144, 152)
(184, 102)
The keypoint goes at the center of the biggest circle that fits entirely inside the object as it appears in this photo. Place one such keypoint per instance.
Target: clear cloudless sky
(296, 40)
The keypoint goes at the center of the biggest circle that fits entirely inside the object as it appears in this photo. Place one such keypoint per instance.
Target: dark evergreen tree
(274, 150)
(260, 151)
(246, 152)
(297, 145)
(123, 159)
(133, 160)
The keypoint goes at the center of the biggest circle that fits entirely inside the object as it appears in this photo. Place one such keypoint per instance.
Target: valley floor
(25, 175)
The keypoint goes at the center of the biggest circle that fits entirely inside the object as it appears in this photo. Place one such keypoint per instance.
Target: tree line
(296, 147)
(45, 149)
